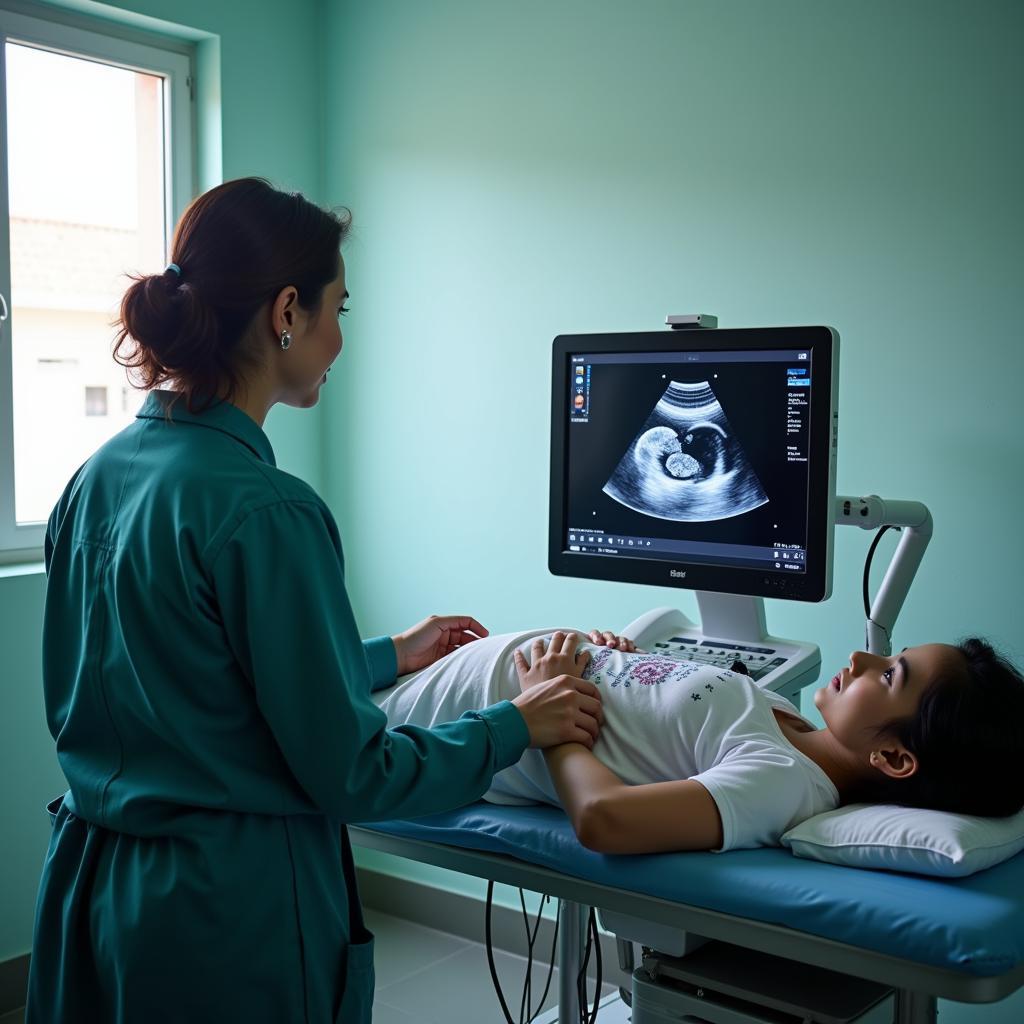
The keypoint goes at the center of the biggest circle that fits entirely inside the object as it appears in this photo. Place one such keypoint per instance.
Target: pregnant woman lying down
(692, 757)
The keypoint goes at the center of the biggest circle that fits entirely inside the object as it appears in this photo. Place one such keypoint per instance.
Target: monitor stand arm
(729, 615)
(915, 522)
(732, 618)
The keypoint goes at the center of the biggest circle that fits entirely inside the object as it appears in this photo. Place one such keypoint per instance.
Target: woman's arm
(611, 817)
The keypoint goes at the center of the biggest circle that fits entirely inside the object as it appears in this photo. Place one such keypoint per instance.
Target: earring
(286, 339)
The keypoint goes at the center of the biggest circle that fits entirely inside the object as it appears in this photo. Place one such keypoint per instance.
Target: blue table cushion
(974, 925)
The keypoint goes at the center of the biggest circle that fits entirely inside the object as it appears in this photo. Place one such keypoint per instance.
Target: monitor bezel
(813, 585)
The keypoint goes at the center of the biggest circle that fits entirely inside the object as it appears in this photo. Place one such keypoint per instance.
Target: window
(95, 164)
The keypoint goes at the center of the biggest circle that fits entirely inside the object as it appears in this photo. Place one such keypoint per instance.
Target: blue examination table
(924, 938)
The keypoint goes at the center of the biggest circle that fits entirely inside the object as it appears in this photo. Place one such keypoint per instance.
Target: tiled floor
(430, 977)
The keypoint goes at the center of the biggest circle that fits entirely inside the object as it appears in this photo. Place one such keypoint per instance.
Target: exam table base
(915, 987)
(723, 984)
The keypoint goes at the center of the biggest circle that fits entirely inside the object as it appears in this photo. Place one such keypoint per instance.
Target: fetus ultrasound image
(686, 463)
(698, 454)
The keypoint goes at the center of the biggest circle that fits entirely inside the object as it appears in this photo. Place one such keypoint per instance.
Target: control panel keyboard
(746, 659)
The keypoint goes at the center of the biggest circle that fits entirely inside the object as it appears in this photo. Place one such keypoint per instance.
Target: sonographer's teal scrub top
(208, 690)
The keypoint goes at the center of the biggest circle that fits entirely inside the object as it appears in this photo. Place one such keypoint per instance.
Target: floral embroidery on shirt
(622, 676)
(650, 672)
(642, 669)
(596, 662)
(684, 671)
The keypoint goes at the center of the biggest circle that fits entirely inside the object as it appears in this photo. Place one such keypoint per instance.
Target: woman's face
(874, 690)
(316, 343)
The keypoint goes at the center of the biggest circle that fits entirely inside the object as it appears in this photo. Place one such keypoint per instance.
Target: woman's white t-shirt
(664, 720)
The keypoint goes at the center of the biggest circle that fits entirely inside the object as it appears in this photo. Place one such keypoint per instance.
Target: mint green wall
(272, 121)
(520, 170)
(28, 767)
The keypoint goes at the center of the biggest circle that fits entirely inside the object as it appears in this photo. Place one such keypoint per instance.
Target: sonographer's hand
(561, 710)
(423, 644)
(557, 705)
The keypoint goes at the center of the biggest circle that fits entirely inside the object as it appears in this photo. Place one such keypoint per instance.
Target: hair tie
(174, 267)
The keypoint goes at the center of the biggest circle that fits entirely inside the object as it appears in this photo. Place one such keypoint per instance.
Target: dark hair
(236, 247)
(966, 736)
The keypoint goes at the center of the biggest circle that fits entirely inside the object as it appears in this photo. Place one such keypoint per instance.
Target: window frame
(172, 60)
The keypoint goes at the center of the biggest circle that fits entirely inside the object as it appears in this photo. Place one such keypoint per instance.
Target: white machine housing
(732, 628)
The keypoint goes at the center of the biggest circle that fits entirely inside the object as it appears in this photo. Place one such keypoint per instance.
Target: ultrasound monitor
(702, 459)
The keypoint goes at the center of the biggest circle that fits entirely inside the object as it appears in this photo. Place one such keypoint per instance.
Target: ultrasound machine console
(706, 459)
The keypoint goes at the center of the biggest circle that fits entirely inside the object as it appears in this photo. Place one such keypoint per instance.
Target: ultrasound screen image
(686, 463)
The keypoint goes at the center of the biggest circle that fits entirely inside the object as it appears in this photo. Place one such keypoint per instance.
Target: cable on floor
(526, 1012)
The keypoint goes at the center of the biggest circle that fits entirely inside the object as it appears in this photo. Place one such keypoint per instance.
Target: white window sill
(22, 563)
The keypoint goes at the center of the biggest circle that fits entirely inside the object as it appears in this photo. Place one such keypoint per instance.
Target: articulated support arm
(915, 522)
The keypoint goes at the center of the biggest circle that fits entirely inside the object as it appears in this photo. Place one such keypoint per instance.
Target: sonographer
(204, 676)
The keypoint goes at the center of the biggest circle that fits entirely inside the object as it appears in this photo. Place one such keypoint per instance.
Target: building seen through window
(85, 145)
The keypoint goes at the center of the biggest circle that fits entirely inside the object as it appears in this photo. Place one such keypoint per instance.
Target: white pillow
(907, 839)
